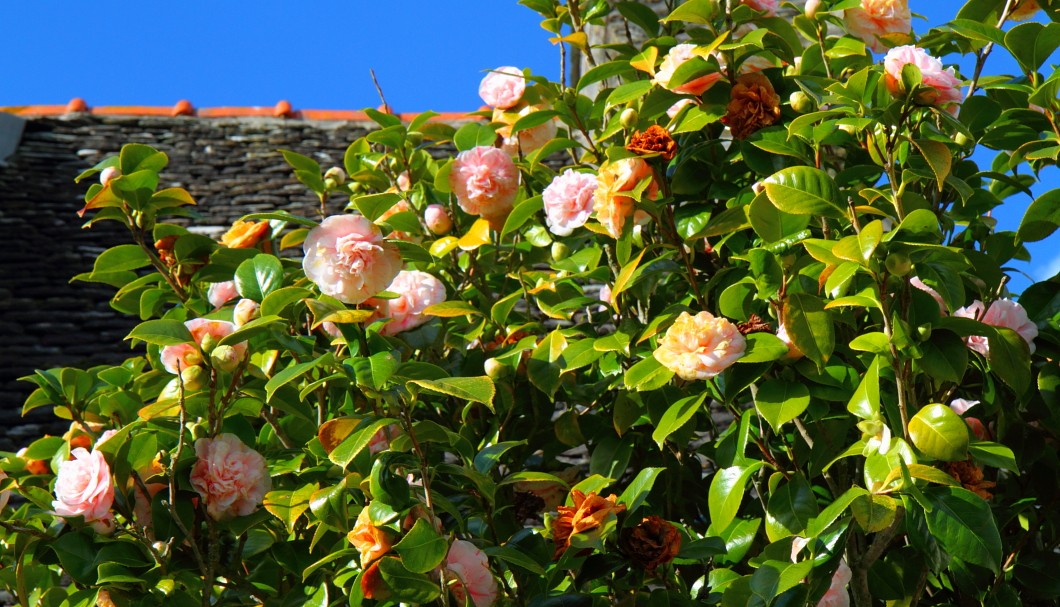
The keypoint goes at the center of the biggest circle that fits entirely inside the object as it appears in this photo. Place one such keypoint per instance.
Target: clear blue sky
(427, 54)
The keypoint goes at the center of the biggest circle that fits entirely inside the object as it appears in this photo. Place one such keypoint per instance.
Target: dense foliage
(724, 322)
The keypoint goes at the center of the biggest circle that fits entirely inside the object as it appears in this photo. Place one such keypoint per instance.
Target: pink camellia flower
(673, 60)
(612, 206)
(107, 174)
(876, 19)
(700, 346)
(404, 184)
(416, 292)
(569, 201)
(182, 356)
(946, 93)
(245, 310)
(502, 87)
(676, 108)
(231, 477)
(526, 140)
(769, 7)
(485, 182)
(1002, 313)
(221, 293)
(437, 219)
(142, 503)
(348, 259)
(85, 488)
(837, 595)
(916, 282)
(473, 575)
(960, 406)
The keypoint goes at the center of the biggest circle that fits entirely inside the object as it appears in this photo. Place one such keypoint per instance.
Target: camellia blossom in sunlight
(245, 234)
(673, 60)
(416, 292)
(473, 576)
(875, 19)
(370, 541)
(485, 182)
(348, 259)
(182, 356)
(84, 487)
(230, 477)
(589, 512)
(502, 87)
(700, 346)
(1003, 313)
(945, 91)
(568, 201)
(769, 7)
(611, 202)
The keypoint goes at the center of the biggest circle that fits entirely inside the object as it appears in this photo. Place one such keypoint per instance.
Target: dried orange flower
(245, 234)
(164, 246)
(654, 140)
(651, 543)
(753, 105)
(589, 512)
(971, 478)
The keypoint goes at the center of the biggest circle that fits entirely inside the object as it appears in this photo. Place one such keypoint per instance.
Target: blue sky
(427, 54)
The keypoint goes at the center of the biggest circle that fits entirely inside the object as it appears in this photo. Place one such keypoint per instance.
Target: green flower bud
(560, 251)
(495, 368)
(337, 174)
(898, 264)
(194, 378)
(801, 102)
(209, 342)
(226, 358)
(629, 118)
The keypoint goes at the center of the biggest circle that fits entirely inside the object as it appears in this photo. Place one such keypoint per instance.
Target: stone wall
(230, 166)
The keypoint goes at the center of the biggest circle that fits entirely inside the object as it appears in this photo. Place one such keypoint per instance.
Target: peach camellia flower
(502, 87)
(700, 346)
(612, 206)
(945, 91)
(245, 310)
(416, 292)
(568, 201)
(837, 595)
(245, 234)
(371, 541)
(769, 7)
(231, 477)
(485, 182)
(527, 140)
(1003, 313)
(876, 19)
(221, 293)
(348, 259)
(590, 511)
(753, 104)
(473, 576)
(85, 488)
(182, 356)
(673, 60)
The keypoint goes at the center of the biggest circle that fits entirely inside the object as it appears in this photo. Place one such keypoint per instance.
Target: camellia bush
(724, 322)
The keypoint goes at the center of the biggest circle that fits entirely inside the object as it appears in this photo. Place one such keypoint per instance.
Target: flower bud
(801, 102)
(337, 174)
(628, 118)
(560, 251)
(208, 343)
(194, 378)
(226, 358)
(109, 173)
(245, 310)
(898, 264)
(495, 368)
(437, 220)
(811, 8)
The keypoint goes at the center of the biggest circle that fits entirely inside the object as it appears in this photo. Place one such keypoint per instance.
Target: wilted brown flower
(589, 512)
(753, 105)
(245, 234)
(970, 477)
(755, 324)
(164, 246)
(651, 543)
(655, 139)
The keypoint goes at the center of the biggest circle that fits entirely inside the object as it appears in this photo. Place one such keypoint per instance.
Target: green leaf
(804, 191)
(259, 276)
(521, 214)
(138, 157)
(546, 363)
(727, 489)
(763, 347)
(517, 557)
(161, 333)
(627, 92)
(473, 389)
(289, 505)
(306, 170)
(638, 488)
(694, 11)
(809, 326)
(772, 224)
(994, 455)
(945, 356)
(121, 258)
(726, 222)
(293, 372)
(357, 441)
(624, 277)
(1042, 217)
(963, 523)
(818, 525)
(406, 586)
(939, 433)
(790, 508)
(646, 375)
(1009, 358)
(874, 512)
(938, 157)
(778, 401)
(1032, 43)
(677, 415)
(472, 135)
(490, 456)
(865, 403)
(422, 549)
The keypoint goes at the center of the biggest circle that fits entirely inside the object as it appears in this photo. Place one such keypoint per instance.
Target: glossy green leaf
(258, 276)
(289, 505)
(804, 191)
(790, 508)
(865, 403)
(727, 490)
(964, 525)
(646, 375)
(1042, 217)
(422, 549)
(809, 326)
(161, 333)
(1009, 358)
(637, 490)
(677, 415)
(778, 401)
(874, 513)
(473, 389)
(406, 586)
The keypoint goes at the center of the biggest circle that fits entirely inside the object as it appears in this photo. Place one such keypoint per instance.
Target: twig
(983, 53)
(379, 89)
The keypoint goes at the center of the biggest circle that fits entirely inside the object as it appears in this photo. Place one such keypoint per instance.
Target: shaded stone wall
(230, 166)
